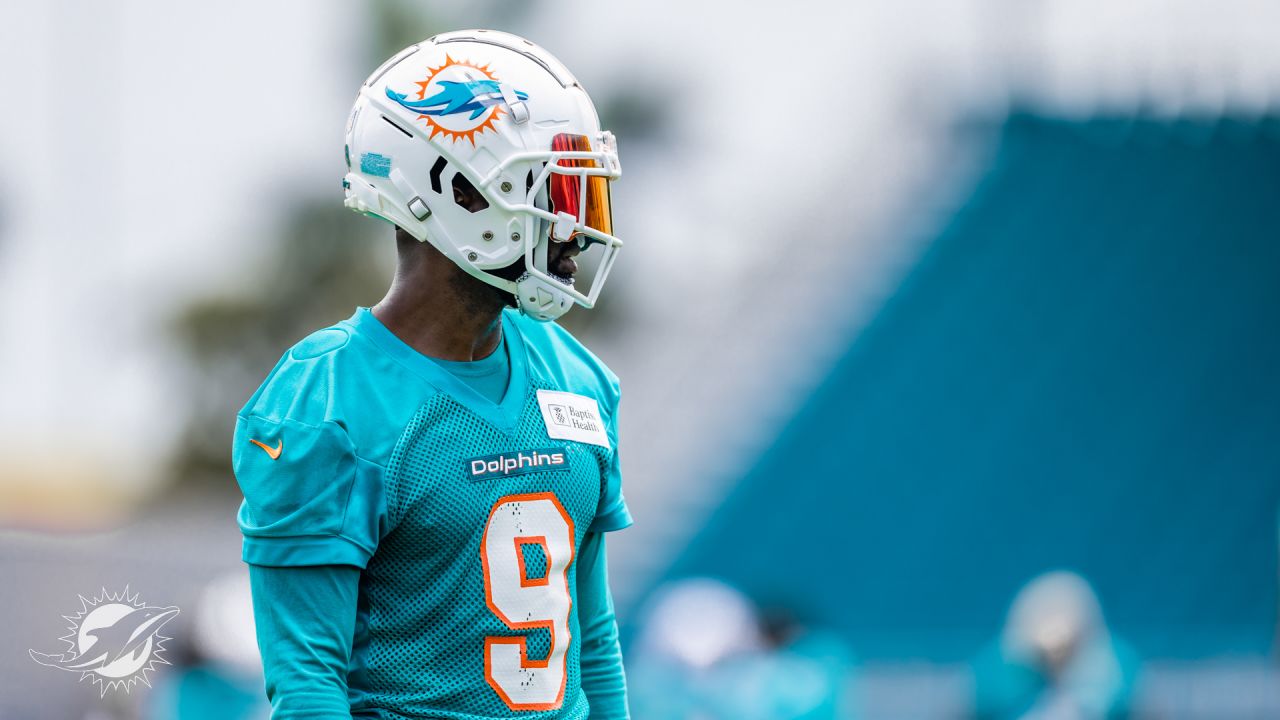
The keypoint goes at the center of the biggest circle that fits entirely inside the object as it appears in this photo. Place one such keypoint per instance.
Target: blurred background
(949, 336)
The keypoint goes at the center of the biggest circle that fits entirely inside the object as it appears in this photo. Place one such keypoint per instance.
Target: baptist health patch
(572, 417)
(517, 463)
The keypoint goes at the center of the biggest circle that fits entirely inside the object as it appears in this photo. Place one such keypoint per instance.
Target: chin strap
(540, 299)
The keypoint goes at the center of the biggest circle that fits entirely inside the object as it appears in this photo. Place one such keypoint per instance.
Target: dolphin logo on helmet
(457, 97)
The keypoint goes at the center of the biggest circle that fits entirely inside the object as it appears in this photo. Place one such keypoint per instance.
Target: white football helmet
(497, 113)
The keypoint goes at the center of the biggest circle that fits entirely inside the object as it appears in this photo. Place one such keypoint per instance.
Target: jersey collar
(504, 415)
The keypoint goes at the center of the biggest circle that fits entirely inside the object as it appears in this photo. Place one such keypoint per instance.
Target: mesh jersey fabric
(374, 446)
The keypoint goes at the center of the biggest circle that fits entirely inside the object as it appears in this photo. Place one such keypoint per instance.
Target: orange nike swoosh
(274, 452)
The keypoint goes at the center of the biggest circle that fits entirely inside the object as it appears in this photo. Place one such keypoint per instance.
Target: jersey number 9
(525, 603)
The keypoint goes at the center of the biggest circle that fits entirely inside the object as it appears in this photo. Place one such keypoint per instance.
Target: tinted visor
(583, 196)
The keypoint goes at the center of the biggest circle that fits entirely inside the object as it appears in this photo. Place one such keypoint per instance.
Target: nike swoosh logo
(273, 452)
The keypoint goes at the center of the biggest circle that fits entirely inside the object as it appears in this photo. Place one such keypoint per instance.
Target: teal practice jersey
(464, 514)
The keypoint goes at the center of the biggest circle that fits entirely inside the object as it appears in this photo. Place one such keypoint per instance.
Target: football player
(428, 483)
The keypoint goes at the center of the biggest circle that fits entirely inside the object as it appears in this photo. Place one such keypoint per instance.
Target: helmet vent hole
(466, 195)
(528, 182)
(396, 125)
(436, 169)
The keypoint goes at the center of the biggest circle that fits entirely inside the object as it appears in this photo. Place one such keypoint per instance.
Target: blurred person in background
(219, 676)
(706, 653)
(428, 483)
(1055, 659)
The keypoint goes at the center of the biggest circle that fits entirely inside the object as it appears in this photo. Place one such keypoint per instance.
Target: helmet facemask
(567, 202)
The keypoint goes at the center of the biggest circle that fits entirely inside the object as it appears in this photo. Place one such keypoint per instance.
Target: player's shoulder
(559, 357)
(301, 386)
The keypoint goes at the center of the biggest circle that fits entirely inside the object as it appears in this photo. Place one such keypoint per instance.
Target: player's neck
(440, 311)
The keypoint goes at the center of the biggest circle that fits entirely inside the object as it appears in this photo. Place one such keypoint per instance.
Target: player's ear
(466, 195)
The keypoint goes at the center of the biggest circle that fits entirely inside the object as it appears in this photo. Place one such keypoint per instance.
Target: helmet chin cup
(542, 299)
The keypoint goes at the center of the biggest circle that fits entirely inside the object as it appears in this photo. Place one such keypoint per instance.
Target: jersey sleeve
(305, 619)
(612, 512)
(309, 498)
(603, 679)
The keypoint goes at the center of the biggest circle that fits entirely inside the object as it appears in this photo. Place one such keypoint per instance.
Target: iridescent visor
(581, 195)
